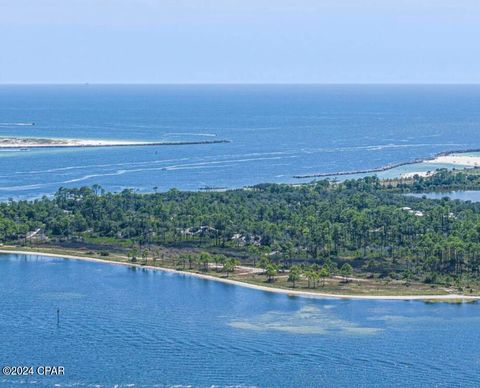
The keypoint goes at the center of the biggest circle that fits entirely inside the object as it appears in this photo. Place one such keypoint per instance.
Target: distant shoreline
(305, 294)
(26, 143)
(442, 157)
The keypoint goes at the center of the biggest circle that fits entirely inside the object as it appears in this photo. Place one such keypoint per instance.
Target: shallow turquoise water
(276, 132)
(122, 326)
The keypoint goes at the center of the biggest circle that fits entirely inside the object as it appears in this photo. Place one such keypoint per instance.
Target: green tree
(182, 259)
(218, 259)
(271, 271)
(229, 266)
(205, 259)
(254, 252)
(324, 274)
(145, 255)
(222, 259)
(133, 254)
(311, 277)
(346, 271)
(263, 262)
(192, 259)
(294, 274)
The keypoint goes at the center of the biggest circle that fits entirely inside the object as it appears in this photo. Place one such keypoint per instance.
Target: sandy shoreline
(413, 173)
(449, 157)
(462, 160)
(305, 294)
(25, 143)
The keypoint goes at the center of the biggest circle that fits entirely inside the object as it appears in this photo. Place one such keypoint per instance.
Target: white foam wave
(191, 134)
(185, 166)
(86, 177)
(88, 166)
(17, 124)
(222, 158)
(233, 161)
(25, 187)
(379, 147)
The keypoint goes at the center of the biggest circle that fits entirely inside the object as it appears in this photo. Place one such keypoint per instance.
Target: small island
(34, 142)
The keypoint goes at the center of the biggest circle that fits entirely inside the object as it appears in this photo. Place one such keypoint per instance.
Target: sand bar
(463, 160)
(33, 142)
(305, 294)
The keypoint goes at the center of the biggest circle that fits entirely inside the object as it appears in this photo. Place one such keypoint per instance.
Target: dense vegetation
(367, 223)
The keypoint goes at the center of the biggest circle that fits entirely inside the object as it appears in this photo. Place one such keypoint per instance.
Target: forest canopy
(370, 223)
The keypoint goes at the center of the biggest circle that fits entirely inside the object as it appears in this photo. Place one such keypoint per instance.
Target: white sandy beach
(34, 142)
(305, 294)
(457, 159)
(21, 142)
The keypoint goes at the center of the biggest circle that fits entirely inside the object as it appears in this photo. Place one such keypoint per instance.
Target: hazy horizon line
(240, 84)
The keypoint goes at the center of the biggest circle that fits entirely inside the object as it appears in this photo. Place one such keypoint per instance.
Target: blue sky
(239, 41)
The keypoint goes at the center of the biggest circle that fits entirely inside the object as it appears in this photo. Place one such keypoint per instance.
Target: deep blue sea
(122, 326)
(276, 132)
(128, 327)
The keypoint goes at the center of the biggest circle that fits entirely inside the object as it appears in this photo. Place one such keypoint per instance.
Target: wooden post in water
(58, 317)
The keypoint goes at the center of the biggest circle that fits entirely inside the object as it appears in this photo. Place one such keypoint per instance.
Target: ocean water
(121, 326)
(276, 132)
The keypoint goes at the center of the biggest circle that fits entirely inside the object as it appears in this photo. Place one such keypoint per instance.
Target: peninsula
(361, 237)
(33, 142)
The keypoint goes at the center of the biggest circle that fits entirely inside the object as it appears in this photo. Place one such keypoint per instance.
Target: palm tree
(294, 274)
(323, 274)
(311, 276)
(317, 278)
(230, 265)
(205, 259)
(183, 259)
(191, 260)
(263, 262)
(145, 255)
(271, 270)
(222, 259)
(97, 189)
(346, 271)
(216, 260)
(133, 255)
(254, 252)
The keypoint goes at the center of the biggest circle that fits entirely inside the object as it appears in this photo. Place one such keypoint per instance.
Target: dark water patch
(466, 195)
